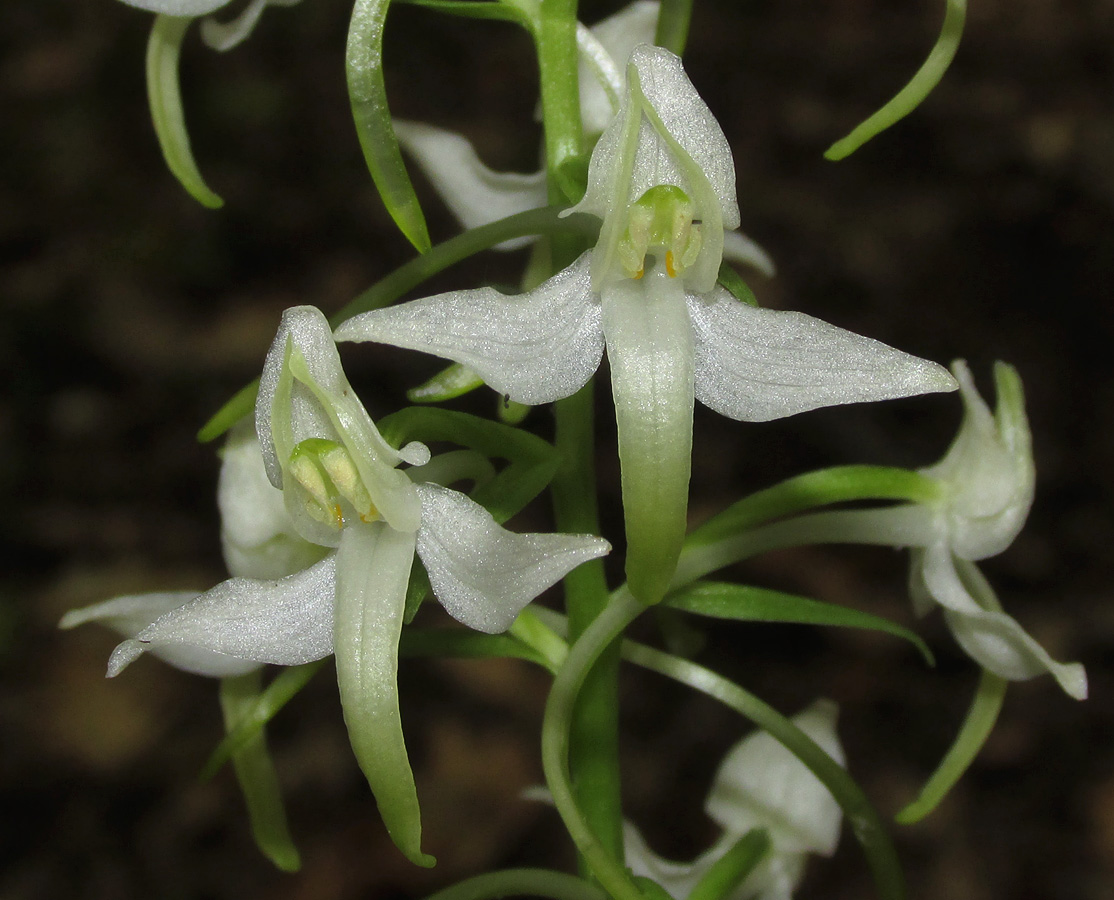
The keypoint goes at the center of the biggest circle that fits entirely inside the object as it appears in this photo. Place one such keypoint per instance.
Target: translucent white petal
(483, 574)
(535, 347)
(618, 35)
(130, 615)
(179, 7)
(226, 35)
(475, 194)
(649, 347)
(738, 248)
(760, 784)
(303, 393)
(257, 535)
(373, 567)
(678, 878)
(288, 622)
(759, 364)
(989, 636)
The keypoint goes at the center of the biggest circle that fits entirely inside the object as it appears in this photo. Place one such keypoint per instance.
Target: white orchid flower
(477, 195)
(218, 35)
(341, 488)
(759, 784)
(987, 479)
(663, 182)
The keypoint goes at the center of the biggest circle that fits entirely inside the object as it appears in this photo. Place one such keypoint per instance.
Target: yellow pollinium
(660, 222)
(332, 483)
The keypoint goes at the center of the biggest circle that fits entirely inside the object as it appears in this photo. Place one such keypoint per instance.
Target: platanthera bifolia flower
(663, 183)
(759, 784)
(344, 494)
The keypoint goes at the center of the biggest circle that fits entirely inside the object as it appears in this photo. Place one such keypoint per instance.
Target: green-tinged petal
(373, 567)
(256, 774)
(752, 604)
(224, 36)
(535, 347)
(990, 637)
(483, 574)
(368, 95)
(231, 628)
(914, 93)
(267, 704)
(972, 735)
(475, 194)
(649, 346)
(304, 394)
(165, 98)
(761, 364)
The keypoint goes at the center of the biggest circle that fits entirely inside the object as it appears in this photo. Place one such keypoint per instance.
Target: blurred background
(980, 227)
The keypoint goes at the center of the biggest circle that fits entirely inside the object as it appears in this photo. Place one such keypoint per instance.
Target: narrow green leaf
(733, 868)
(462, 644)
(256, 774)
(673, 25)
(744, 603)
(650, 889)
(417, 589)
(836, 485)
(451, 382)
(251, 720)
(914, 93)
(475, 9)
(976, 728)
(734, 283)
(533, 462)
(165, 98)
(367, 93)
(521, 883)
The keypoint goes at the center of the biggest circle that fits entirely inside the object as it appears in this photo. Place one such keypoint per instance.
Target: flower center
(660, 222)
(332, 483)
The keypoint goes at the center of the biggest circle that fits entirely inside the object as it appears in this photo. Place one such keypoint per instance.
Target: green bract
(662, 181)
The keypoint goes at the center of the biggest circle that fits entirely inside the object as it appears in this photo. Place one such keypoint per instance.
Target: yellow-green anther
(661, 219)
(342, 470)
(307, 469)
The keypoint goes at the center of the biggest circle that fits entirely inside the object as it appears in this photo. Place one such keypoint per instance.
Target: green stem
(673, 25)
(865, 823)
(519, 883)
(558, 71)
(595, 729)
(605, 865)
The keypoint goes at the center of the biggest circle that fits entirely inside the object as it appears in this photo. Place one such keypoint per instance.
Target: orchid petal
(649, 346)
(536, 347)
(475, 194)
(738, 248)
(303, 393)
(370, 601)
(760, 784)
(677, 878)
(130, 615)
(287, 622)
(989, 636)
(224, 36)
(483, 574)
(178, 7)
(258, 537)
(755, 365)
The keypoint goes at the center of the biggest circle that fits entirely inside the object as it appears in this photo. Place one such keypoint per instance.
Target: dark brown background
(980, 227)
